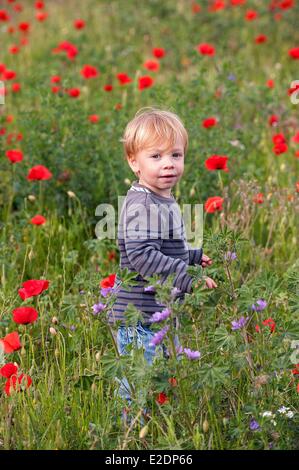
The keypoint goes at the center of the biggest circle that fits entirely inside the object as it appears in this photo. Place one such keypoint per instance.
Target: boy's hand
(209, 283)
(206, 261)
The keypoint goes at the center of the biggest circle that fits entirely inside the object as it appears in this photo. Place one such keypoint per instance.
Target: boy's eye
(174, 155)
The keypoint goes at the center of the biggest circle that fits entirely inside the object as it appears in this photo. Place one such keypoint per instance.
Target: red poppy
(294, 371)
(158, 52)
(41, 15)
(24, 315)
(145, 82)
(297, 186)
(217, 162)
(14, 49)
(15, 87)
(162, 398)
(55, 89)
(11, 342)
(8, 370)
(14, 155)
(217, 5)
(280, 148)
(89, 71)
(195, 8)
(273, 120)
(4, 16)
(68, 47)
(214, 204)
(123, 78)
(295, 138)
(237, 2)
(17, 383)
(93, 118)
(278, 139)
(55, 79)
(108, 281)
(118, 106)
(261, 38)
(209, 122)
(251, 15)
(18, 7)
(173, 381)
(294, 53)
(79, 24)
(152, 65)
(111, 255)
(39, 172)
(24, 26)
(258, 198)
(108, 87)
(270, 83)
(206, 49)
(298, 387)
(39, 5)
(38, 220)
(2, 131)
(9, 75)
(73, 92)
(297, 154)
(271, 323)
(32, 288)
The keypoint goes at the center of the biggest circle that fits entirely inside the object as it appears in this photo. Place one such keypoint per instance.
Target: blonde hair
(149, 126)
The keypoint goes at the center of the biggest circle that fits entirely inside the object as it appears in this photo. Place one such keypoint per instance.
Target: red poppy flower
(294, 53)
(68, 47)
(55, 79)
(14, 49)
(93, 118)
(108, 281)
(11, 342)
(111, 255)
(41, 15)
(258, 198)
(89, 71)
(280, 148)
(237, 2)
(8, 370)
(18, 7)
(17, 383)
(162, 398)
(217, 5)
(2, 131)
(195, 8)
(152, 65)
(123, 78)
(278, 139)
(145, 82)
(38, 220)
(32, 288)
(9, 75)
(295, 138)
(261, 38)
(79, 24)
(14, 155)
(173, 381)
(118, 106)
(39, 5)
(213, 204)
(24, 315)
(55, 89)
(24, 26)
(217, 162)
(273, 119)
(209, 122)
(271, 323)
(39, 172)
(158, 52)
(4, 16)
(297, 154)
(108, 87)
(15, 87)
(206, 49)
(270, 83)
(297, 187)
(294, 371)
(73, 92)
(298, 387)
(251, 15)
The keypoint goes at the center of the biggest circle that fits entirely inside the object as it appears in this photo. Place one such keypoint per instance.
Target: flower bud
(55, 320)
(52, 331)
(127, 181)
(205, 426)
(31, 197)
(143, 432)
(98, 356)
(71, 194)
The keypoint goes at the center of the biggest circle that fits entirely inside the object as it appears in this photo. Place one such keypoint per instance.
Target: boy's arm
(195, 255)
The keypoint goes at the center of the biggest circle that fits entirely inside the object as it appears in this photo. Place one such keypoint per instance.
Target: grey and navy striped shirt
(151, 240)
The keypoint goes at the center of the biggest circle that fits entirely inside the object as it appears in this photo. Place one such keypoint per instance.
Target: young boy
(151, 232)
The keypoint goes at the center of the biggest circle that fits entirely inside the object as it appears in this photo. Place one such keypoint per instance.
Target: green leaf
(211, 376)
(223, 338)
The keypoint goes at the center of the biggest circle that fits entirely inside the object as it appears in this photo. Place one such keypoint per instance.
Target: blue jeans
(141, 335)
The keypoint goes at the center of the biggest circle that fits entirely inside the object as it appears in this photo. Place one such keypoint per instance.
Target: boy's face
(158, 168)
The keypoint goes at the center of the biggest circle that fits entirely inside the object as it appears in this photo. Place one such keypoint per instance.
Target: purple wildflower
(175, 291)
(261, 304)
(192, 354)
(98, 308)
(149, 289)
(230, 256)
(232, 77)
(81, 292)
(158, 337)
(106, 291)
(254, 425)
(237, 324)
(72, 327)
(160, 316)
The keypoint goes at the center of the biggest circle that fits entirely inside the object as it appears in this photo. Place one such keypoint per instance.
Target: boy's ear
(133, 164)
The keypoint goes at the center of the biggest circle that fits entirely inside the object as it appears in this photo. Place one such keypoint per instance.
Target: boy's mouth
(167, 176)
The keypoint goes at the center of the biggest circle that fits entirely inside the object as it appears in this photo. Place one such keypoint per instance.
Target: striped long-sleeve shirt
(151, 240)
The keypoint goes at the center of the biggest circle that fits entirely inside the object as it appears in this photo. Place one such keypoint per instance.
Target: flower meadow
(72, 74)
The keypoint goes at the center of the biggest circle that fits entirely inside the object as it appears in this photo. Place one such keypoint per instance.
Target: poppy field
(72, 74)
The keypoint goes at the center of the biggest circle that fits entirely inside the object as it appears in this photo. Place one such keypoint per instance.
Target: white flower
(283, 410)
(290, 414)
(267, 414)
(273, 422)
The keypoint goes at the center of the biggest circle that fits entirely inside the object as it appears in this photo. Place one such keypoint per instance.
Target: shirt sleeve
(195, 255)
(144, 250)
